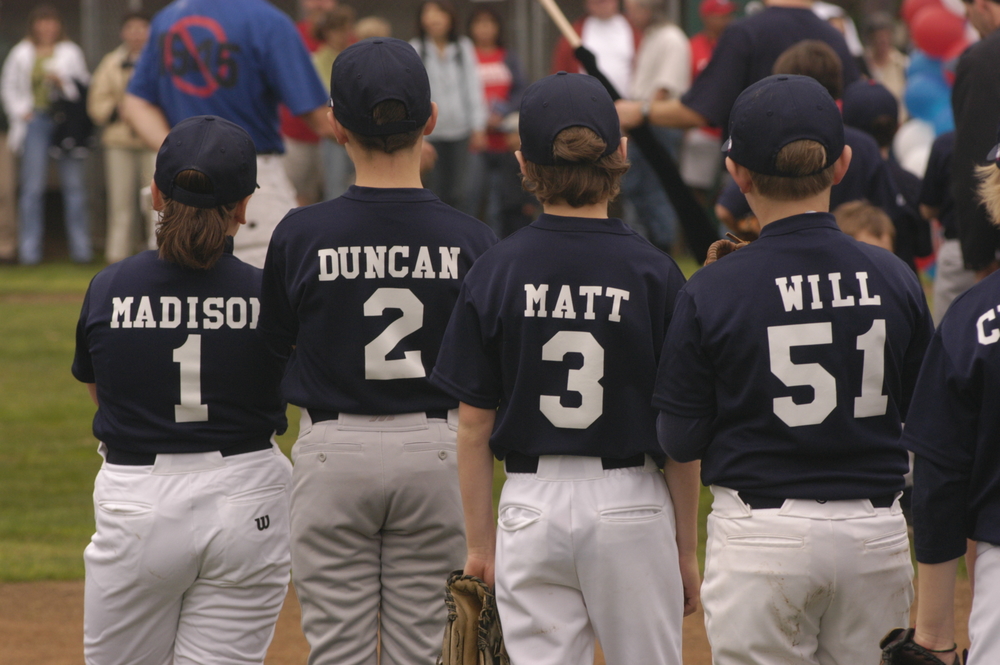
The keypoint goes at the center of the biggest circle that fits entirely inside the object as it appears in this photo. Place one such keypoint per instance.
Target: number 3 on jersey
(871, 402)
(585, 380)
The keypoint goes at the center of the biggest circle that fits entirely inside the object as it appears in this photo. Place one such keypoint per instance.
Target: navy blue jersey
(362, 286)
(936, 190)
(560, 327)
(746, 53)
(953, 429)
(802, 349)
(176, 357)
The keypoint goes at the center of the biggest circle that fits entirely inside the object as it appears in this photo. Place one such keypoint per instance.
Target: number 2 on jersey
(870, 403)
(585, 380)
(188, 356)
(410, 366)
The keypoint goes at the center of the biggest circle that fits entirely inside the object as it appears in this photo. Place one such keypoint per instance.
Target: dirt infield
(41, 623)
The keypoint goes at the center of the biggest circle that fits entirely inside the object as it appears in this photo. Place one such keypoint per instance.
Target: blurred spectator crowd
(56, 111)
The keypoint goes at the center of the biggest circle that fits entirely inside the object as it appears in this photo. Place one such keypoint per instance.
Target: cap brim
(994, 153)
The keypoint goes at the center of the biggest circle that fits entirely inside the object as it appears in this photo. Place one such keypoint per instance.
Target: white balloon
(912, 145)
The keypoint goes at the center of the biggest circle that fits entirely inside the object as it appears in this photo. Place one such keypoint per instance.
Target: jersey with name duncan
(176, 357)
(362, 286)
(560, 326)
(953, 429)
(803, 349)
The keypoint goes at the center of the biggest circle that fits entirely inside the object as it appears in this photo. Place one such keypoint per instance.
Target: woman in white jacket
(39, 68)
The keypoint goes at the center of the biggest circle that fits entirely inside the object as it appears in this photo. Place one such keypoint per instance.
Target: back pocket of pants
(631, 514)
(765, 540)
(895, 540)
(515, 517)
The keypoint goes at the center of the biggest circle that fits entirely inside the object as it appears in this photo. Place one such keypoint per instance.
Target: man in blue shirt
(787, 370)
(237, 61)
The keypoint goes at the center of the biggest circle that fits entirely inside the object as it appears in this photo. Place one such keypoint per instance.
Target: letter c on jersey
(994, 335)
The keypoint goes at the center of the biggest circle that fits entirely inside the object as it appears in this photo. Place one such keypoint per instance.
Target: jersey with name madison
(176, 356)
(954, 426)
(362, 286)
(237, 60)
(560, 327)
(803, 349)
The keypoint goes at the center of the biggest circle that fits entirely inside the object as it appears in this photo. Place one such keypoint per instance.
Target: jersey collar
(586, 224)
(389, 194)
(808, 220)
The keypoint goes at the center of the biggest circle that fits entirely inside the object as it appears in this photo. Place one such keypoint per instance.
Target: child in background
(334, 31)
(866, 223)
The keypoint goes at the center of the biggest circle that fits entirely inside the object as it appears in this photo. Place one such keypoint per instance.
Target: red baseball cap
(716, 7)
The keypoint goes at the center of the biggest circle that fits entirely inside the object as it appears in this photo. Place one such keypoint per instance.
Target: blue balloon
(924, 95)
(944, 119)
(922, 64)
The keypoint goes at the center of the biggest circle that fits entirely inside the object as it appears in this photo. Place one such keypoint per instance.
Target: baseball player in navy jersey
(237, 60)
(552, 351)
(787, 370)
(956, 484)
(190, 560)
(358, 290)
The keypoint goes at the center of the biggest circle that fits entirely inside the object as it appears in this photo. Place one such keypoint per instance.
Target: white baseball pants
(584, 552)
(267, 207)
(377, 526)
(806, 583)
(190, 562)
(984, 621)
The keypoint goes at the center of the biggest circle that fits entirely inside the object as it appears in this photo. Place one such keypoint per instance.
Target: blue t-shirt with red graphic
(237, 60)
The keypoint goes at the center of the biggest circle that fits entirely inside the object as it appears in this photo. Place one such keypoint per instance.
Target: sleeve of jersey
(715, 90)
(83, 365)
(916, 353)
(940, 519)
(289, 68)
(466, 369)
(685, 379)
(278, 325)
(144, 79)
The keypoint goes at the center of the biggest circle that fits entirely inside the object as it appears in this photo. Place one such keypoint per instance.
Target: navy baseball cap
(779, 110)
(373, 71)
(865, 101)
(215, 147)
(563, 100)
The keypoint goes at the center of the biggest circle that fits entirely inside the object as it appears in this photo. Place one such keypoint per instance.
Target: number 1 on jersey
(188, 355)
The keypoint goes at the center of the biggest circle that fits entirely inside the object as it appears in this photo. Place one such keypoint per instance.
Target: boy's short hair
(787, 131)
(585, 175)
(856, 217)
(391, 110)
(801, 160)
(811, 57)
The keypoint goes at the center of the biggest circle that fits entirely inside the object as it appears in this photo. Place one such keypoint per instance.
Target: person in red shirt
(495, 170)
(700, 163)
(302, 158)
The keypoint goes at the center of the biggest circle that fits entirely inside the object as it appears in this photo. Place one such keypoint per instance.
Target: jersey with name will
(362, 287)
(176, 357)
(803, 349)
(560, 327)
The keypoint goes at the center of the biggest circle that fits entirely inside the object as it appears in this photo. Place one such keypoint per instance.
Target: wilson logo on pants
(262, 522)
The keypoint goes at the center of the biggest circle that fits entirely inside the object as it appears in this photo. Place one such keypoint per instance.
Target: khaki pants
(377, 526)
(126, 171)
(8, 216)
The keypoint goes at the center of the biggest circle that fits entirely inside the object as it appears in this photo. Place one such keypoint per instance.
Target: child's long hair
(193, 237)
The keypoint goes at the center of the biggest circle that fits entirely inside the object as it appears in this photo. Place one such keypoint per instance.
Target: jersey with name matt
(560, 326)
(176, 356)
(804, 347)
(362, 287)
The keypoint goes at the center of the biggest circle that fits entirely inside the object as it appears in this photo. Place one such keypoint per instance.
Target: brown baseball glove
(472, 635)
(720, 248)
(898, 648)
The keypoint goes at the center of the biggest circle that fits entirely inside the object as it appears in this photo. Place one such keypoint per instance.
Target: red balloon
(936, 30)
(910, 8)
